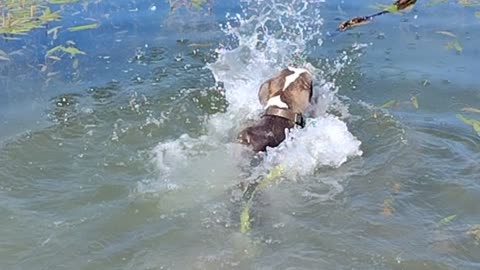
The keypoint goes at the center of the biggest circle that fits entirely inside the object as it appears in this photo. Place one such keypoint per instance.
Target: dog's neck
(295, 118)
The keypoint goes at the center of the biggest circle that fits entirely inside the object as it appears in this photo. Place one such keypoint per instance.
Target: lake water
(125, 157)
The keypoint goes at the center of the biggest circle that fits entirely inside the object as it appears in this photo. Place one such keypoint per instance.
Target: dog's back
(285, 98)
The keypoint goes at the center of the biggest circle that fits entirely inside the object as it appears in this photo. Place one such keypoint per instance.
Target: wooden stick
(395, 7)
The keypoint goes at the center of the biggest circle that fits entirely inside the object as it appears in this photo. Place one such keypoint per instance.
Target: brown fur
(270, 130)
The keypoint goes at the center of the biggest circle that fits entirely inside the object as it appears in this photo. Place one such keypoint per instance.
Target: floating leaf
(446, 33)
(198, 3)
(475, 232)
(54, 49)
(72, 51)
(49, 16)
(455, 45)
(474, 123)
(446, 220)
(414, 101)
(387, 209)
(245, 220)
(270, 178)
(83, 27)
(477, 14)
(392, 8)
(396, 187)
(469, 3)
(389, 104)
(469, 109)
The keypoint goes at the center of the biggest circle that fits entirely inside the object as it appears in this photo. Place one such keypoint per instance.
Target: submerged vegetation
(19, 17)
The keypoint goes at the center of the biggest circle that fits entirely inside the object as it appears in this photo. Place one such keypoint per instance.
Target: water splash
(267, 37)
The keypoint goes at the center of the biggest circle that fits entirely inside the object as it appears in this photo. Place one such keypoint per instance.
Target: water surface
(129, 160)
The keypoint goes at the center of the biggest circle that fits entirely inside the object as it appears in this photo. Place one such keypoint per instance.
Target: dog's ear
(264, 93)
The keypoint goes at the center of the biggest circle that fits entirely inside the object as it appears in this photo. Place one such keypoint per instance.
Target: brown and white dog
(285, 98)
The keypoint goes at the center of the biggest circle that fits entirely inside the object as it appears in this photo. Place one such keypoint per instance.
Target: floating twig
(398, 6)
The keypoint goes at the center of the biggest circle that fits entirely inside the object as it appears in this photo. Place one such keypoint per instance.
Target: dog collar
(296, 118)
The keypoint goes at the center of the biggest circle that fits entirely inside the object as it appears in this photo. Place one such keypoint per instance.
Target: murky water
(126, 159)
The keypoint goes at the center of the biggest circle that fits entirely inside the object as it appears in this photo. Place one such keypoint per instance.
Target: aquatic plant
(470, 121)
(251, 190)
(19, 17)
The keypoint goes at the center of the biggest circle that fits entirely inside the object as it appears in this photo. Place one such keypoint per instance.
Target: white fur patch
(276, 101)
(291, 78)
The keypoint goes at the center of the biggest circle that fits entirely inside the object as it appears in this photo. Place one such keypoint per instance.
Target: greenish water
(129, 160)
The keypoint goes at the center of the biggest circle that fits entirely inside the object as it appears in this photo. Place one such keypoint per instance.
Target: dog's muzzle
(296, 118)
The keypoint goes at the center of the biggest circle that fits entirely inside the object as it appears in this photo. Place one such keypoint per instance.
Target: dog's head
(285, 98)
(290, 89)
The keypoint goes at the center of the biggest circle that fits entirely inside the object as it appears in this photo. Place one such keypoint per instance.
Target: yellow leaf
(472, 122)
(396, 187)
(387, 209)
(469, 3)
(455, 45)
(72, 51)
(198, 3)
(245, 220)
(389, 104)
(447, 220)
(477, 14)
(271, 177)
(414, 101)
(54, 49)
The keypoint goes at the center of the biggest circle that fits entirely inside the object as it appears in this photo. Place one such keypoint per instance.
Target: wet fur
(270, 130)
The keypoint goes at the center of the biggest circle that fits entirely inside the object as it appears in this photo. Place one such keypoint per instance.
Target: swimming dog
(285, 97)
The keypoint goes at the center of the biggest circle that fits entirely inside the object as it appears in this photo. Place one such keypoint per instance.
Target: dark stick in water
(396, 7)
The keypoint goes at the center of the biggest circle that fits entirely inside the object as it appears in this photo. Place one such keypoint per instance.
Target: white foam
(325, 141)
